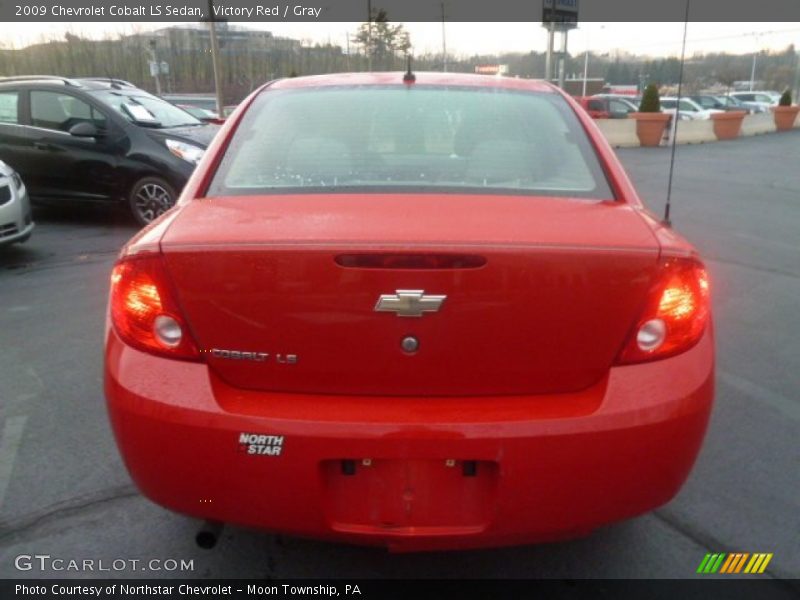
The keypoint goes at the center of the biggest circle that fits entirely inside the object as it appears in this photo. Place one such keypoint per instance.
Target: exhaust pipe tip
(209, 535)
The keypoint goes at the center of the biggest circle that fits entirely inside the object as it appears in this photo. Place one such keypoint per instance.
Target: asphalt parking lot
(64, 490)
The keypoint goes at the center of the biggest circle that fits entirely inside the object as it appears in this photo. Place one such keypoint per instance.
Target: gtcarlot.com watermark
(46, 562)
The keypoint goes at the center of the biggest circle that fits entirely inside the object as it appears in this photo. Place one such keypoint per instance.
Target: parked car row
(98, 140)
(687, 109)
(724, 103)
(693, 107)
(103, 140)
(761, 100)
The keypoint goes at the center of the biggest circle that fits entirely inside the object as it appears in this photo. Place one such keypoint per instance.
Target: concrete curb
(621, 133)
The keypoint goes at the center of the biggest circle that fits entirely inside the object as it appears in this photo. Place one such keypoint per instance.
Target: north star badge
(259, 444)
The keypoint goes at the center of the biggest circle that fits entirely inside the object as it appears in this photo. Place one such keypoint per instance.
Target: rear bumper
(545, 467)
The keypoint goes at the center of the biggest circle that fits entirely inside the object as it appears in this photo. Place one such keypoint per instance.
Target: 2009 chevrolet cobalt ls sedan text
(422, 312)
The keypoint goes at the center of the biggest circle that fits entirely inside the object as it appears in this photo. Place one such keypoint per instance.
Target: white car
(762, 100)
(689, 109)
(16, 222)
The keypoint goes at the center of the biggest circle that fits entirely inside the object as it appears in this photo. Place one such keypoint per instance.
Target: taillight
(675, 315)
(144, 312)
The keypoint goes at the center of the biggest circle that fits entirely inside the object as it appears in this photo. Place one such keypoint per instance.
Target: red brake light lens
(675, 315)
(144, 312)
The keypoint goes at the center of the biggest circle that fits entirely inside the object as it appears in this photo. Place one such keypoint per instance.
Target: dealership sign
(564, 13)
(491, 69)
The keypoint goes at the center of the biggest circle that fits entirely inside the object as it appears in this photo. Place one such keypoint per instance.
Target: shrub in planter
(650, 121)
(651, 102)
(785, 114)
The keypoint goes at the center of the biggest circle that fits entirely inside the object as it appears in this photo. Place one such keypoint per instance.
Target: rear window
(399, 138)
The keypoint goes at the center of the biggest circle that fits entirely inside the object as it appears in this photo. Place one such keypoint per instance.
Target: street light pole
(562, 59)
(548, 61)
(797, 77)
(215, 60)
(586, 61)
(753, 71)
(585, 64)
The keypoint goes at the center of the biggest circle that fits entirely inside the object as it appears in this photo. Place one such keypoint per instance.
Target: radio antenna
(409, 76)
(666, 220)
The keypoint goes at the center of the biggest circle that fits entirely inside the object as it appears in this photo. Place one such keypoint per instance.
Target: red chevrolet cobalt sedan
(421, 311)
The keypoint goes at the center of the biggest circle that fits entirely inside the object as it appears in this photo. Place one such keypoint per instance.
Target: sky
(654, 39)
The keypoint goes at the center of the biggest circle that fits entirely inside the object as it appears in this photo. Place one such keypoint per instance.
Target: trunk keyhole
(410, 344)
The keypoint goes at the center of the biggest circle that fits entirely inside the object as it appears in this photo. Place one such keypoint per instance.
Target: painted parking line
(9, 443)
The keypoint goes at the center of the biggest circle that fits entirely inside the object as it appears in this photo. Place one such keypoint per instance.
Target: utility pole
(444, 44)
(156, 69)
(369, 35)
(215, 59)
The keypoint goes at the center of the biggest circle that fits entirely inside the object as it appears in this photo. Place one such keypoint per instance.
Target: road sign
(157, 68)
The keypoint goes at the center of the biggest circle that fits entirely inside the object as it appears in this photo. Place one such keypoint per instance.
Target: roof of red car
(422, 78)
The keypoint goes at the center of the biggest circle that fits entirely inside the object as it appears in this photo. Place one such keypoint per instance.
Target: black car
(98, 140)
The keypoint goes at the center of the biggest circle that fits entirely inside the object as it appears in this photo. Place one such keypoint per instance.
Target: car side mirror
(84, 130)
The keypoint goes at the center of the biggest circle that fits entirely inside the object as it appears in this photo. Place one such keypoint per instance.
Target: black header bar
(396, 10)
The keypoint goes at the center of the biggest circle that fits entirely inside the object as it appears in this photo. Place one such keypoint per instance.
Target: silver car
(16, 222)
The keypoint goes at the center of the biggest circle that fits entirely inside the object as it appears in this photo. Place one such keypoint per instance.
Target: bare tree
(382, 41)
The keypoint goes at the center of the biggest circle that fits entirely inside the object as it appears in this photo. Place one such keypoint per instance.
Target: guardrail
(621, 133)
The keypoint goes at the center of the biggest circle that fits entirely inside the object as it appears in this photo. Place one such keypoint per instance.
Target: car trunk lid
(538, 293)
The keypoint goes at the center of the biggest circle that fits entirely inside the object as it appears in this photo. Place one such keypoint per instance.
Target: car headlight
(188, 152)
(17, 180)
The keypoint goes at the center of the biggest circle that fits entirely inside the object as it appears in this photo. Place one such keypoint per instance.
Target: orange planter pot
(785, 116)
(650, 127)
(727, 125)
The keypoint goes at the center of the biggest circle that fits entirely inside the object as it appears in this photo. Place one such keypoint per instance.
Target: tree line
(379, 45)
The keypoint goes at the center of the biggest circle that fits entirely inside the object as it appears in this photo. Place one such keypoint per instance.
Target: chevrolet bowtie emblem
(409, 303)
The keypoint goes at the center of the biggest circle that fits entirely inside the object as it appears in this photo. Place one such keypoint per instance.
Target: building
(232, 38)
